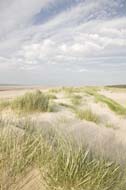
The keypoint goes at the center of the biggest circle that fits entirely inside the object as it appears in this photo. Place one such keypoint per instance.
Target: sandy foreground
(111, 141)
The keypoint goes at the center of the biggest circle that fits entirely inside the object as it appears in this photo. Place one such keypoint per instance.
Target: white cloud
(87, 30)
(79, 43)
(16, 14)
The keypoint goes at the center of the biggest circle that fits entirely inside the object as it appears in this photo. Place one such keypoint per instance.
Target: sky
(63, 42)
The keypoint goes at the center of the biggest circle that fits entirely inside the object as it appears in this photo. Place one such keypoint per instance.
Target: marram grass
(76, 100)
(63, 164)
(113, 105)
(29, 102)
(87, 114)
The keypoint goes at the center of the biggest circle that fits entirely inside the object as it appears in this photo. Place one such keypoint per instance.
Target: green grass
(62, 163)
(51, 96)
(76, 100)
(69, 91)
(90, 91)
(76, 170)
(113, 105)
(87, 114)
(4, 104)
(17, 155)
(109, 125)
(55, 90)
(29, 102)
(53, 107)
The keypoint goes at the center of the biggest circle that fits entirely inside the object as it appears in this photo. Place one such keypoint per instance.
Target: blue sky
(63, 42)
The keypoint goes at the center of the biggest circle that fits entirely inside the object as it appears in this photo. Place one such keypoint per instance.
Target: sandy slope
(32, 181)
(110, 142)
(119, 96)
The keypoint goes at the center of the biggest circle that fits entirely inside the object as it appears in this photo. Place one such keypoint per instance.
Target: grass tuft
(76, 100)
(30, 102)
(51, 96)
(87, 114)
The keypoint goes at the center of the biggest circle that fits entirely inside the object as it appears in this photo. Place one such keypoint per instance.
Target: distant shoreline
(11, 87)
(21, 87)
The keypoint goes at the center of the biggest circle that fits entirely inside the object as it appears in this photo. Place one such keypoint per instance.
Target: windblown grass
(69, 90)
(36, 101)
(29, 102)
(55, 90)
(4, 104)
(51, 96)
(18, 154)
(113, 105)
(63, 164)
(76, 100)
(87, 114)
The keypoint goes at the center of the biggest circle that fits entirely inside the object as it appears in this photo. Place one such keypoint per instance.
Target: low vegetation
(53, 107)
(29, 102)
(36, 101)
(113, 105)
(62, 163)
(64, 158)
(87, 114)
(76, 100)
(51, 96)
(4, 104)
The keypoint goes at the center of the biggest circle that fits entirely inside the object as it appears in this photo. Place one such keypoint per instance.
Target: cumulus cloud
(89, 32)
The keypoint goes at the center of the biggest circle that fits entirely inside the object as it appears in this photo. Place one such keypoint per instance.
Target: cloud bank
(58, 42)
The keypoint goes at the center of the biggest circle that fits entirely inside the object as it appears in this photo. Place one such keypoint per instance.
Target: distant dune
(117, 86)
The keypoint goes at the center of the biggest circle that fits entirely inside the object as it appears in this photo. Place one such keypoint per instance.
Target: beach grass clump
(111, 125)
(18, 155)
(62, 163)
(76, 100)
(87, 114)
(36, 101)
(90, 89)
(77, 169)
(55, 90)
(51, 96)
(53, 107)
(69, 91)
